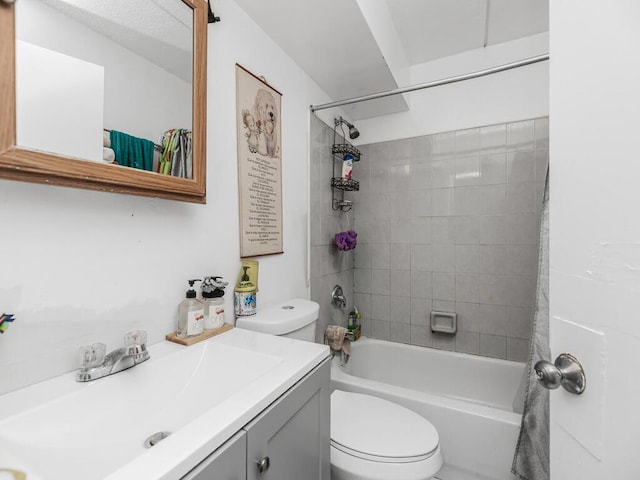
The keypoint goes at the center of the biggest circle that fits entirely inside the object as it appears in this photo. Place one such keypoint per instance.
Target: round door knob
(566, 371)
(264, 464)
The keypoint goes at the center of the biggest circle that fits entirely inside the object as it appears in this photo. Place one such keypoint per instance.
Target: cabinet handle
(264, 464)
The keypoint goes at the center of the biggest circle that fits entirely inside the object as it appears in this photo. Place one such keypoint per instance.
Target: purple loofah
(346, 240)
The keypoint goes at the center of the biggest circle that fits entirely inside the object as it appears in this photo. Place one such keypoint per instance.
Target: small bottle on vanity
(190, 314)
(213, 300)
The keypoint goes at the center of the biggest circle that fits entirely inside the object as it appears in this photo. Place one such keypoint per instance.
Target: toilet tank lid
(282, 318)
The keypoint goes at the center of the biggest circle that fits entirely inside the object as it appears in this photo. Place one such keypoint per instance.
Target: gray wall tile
(517, 349)
(421, 284)
(467, 170)
(400, 257)
(420, 311)
(379, 281)
(380, 307)
(443, 258)
(400, 309)
(380, 329)
(443, 341)
(442, 202)
(519, 322)
(492, 289)
(493, 139)
(493, 168)
(421, 335)
(467, 258)
(467, 287)
(400, 332)
(447, 222)
(467, 342)
(400, 283)
(444, 286)
(493, 346)
(520, 136)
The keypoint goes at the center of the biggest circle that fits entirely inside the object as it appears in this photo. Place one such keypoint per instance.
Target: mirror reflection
(108, 81)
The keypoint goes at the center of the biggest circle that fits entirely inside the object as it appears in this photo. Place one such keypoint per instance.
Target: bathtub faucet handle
(337, 297)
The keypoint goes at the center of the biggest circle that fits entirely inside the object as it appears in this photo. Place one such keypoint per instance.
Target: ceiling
(431, 29)
(141, 27)
(356, 47)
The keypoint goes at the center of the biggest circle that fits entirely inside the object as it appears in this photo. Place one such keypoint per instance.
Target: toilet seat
(381, 459)
(375, 439)
(374, 429)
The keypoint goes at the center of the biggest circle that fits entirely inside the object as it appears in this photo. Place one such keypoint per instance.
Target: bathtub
(468, 398)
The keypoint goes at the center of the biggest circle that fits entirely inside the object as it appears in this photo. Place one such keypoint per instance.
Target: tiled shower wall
(446, 222)
(329, 267)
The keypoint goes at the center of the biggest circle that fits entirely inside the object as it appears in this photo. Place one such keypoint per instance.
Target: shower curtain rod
(436, 83)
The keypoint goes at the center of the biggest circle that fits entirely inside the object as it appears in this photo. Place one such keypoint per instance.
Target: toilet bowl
(371, 438)
(374, 439)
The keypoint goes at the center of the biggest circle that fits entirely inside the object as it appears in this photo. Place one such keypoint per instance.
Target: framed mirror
(107, 95)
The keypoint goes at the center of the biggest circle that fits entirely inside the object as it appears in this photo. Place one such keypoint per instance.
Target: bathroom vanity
(235, 406)
(289, 439)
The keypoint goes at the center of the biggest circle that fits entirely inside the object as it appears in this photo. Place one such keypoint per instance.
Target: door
(595, 235)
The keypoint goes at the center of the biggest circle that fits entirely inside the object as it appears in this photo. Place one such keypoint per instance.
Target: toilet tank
(293, 319)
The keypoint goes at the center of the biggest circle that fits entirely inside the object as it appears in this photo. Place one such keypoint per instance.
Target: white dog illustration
(266, 114)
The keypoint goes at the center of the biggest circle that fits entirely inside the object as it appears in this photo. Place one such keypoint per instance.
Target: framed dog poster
(258, 123)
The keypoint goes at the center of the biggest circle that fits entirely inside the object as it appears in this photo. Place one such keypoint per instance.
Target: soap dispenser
(190, 314)
(244, 295)
(212, 298)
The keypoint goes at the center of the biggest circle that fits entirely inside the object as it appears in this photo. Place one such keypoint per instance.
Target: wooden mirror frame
(19, 163)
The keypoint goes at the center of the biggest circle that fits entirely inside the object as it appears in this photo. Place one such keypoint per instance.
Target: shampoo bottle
(190, 314)
(212, 298)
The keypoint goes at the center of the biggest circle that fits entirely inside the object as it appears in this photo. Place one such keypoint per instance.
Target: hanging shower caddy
(339, 185)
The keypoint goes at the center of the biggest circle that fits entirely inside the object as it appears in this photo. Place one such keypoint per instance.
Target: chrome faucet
(95, 364)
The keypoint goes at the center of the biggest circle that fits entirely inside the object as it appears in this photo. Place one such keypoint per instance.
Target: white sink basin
(61, 429)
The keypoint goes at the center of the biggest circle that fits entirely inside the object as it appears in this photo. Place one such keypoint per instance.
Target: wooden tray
(172, 337)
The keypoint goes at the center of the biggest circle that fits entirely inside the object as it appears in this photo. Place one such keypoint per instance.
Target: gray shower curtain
(531, 458)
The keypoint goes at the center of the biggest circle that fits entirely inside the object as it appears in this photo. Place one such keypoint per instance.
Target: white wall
(81, 266)
(59, 102)
(517, 94)
(141, 98)
(595, 232)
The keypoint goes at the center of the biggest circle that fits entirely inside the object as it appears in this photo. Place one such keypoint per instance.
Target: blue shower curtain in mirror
(531, 458)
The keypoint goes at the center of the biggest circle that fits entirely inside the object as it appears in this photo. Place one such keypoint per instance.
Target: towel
(108, 155)
(132, 151)
(335, 337)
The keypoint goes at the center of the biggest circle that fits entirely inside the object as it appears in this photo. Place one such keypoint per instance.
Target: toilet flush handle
(264, 464)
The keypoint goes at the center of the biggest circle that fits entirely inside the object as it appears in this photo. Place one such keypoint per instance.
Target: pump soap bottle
(212, 297)
(244, 295)
(190, 314)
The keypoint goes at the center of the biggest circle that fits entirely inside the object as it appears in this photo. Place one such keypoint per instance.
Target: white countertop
(271, 365)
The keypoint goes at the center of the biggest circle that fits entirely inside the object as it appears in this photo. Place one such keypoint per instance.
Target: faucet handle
(135, 337)
(92, 355)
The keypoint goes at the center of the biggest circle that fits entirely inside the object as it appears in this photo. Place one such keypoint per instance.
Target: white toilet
(371, 438)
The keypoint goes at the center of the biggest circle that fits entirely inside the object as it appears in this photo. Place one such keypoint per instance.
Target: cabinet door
(229, 462)
(290, 439)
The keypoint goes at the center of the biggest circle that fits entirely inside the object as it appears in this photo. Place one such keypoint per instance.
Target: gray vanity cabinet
(289, 440)
(228, 462)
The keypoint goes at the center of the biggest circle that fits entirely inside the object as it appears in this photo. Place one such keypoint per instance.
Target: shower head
(353, 131)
